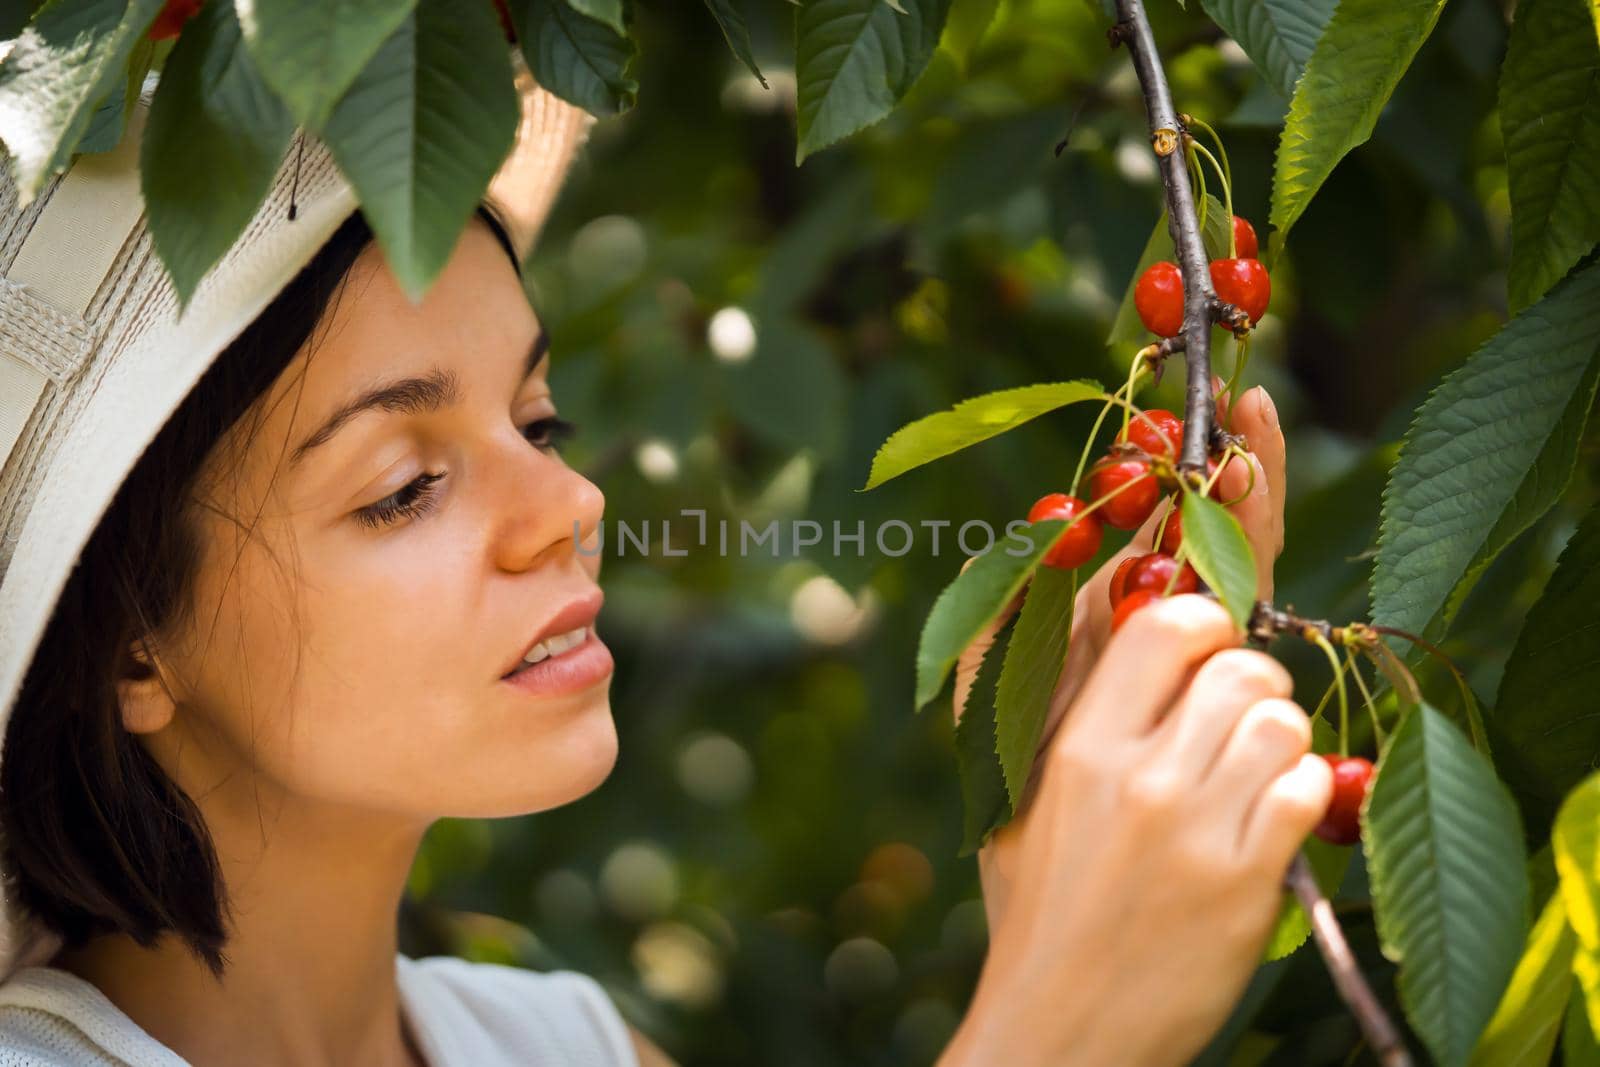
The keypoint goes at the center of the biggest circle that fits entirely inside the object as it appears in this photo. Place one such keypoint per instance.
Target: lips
(579, 611)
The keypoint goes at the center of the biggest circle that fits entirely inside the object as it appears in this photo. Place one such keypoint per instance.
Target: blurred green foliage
(770, 875)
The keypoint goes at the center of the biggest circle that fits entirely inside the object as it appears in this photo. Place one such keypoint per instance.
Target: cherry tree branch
(1200, 305)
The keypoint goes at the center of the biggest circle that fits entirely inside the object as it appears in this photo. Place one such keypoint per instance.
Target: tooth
(540, 651)
(576, 636)
(559, 644)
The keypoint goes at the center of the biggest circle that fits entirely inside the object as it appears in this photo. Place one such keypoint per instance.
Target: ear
(146, 701)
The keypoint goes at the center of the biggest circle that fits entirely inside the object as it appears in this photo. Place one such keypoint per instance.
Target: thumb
(972, 656)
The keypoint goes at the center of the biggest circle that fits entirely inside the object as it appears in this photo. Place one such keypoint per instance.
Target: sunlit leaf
(970, 421)
(1523, 1031)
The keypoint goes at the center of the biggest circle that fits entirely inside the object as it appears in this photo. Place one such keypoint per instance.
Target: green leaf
(1449, 881)
(310, 51)
(1550, 119)
(1127, 326)
(1578, 1045)
(1523, 1031)
(1278, 35)
(1366, 47)
(730, 19)
(855, 59)
(984, 803)
(65, 63)
(1543, 484)
(975, 598)
(1545, 710)
(1577, 847)
(965, 27)
(1220, 553)
(215, 138)
(970, 421)
(1476, 441)
(608, 12)
(1037, 652)
(582, 61)
(423, 129)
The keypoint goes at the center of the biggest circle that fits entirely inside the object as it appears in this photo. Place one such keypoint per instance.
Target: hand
(1255, 418)
(1148, 865)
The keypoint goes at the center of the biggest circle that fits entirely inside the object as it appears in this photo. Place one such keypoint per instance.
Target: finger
(1289, 808)
(1268, 740)
(1256, 417)
(1208, 717)
(1145, 666)
(972, 656)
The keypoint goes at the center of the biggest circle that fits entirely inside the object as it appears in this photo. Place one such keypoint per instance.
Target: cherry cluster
(1241, 281)
(1126, 486)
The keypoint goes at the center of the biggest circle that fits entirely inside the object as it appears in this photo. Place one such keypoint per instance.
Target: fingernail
(1216, 385)
(1269, 410)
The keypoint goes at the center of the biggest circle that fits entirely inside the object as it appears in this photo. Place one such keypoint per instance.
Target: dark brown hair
(100, 839)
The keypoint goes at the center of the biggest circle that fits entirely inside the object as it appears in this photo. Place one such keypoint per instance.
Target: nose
(548, 510)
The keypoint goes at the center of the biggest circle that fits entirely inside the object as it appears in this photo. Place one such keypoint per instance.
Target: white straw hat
(94, 356)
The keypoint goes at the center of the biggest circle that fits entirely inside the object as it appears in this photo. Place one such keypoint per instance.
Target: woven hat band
(44, 338)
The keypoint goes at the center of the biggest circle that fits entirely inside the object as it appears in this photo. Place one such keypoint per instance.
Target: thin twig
(1347, 978)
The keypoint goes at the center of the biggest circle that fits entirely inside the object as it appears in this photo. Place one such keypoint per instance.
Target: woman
(276, 571)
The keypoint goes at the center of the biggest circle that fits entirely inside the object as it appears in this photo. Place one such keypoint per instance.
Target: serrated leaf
(1358, 61)
(310, 51)
(69, 58)
(1449, 880)
(214, 140)
(423, 129)
(1033, 663)
(1474, 444)
(1220, 553)
(730, 19)
(1278, 35)
(972, 420)
(855, 59)
(1576, 839)
(608, 12)
(1545, 710)
(975, 598)
(1550, 120)
(1127, 326)
(984, 804)
(582, 61)
(1523, 1030)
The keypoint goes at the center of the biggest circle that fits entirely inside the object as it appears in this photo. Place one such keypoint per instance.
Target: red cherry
(1172, 534)
(1119, 578)
(172, 17)
(1080, 541)
(1244, 284)
(1158, 297)
(1147, 428)
(1130, 604)
(1154, 570)
(1352, 779)
(1131, 506)
(509, 29)
(1244, 238)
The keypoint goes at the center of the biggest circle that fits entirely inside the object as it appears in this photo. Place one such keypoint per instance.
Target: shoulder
(53, 1019)
(564, 1011)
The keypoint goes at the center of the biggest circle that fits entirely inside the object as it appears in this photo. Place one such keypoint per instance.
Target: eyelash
(416, 498)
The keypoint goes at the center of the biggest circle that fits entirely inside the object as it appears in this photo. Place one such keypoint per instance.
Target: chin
(562, 766)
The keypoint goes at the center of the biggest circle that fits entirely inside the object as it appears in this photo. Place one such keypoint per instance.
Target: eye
(416, 497)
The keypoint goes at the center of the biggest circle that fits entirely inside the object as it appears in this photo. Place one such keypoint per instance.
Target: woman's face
(338, 657)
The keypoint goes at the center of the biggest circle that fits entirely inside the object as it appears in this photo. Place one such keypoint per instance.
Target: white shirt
(462, 1014)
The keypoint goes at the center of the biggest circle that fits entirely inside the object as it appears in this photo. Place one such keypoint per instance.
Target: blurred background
(770, 875)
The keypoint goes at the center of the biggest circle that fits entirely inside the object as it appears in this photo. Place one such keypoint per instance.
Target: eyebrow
(416, 395)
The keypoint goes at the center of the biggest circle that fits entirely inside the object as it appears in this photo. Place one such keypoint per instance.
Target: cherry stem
(1375, 1024)
(1112, 400)
(1227, 194)
(1366, 695)
(1469, 703)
